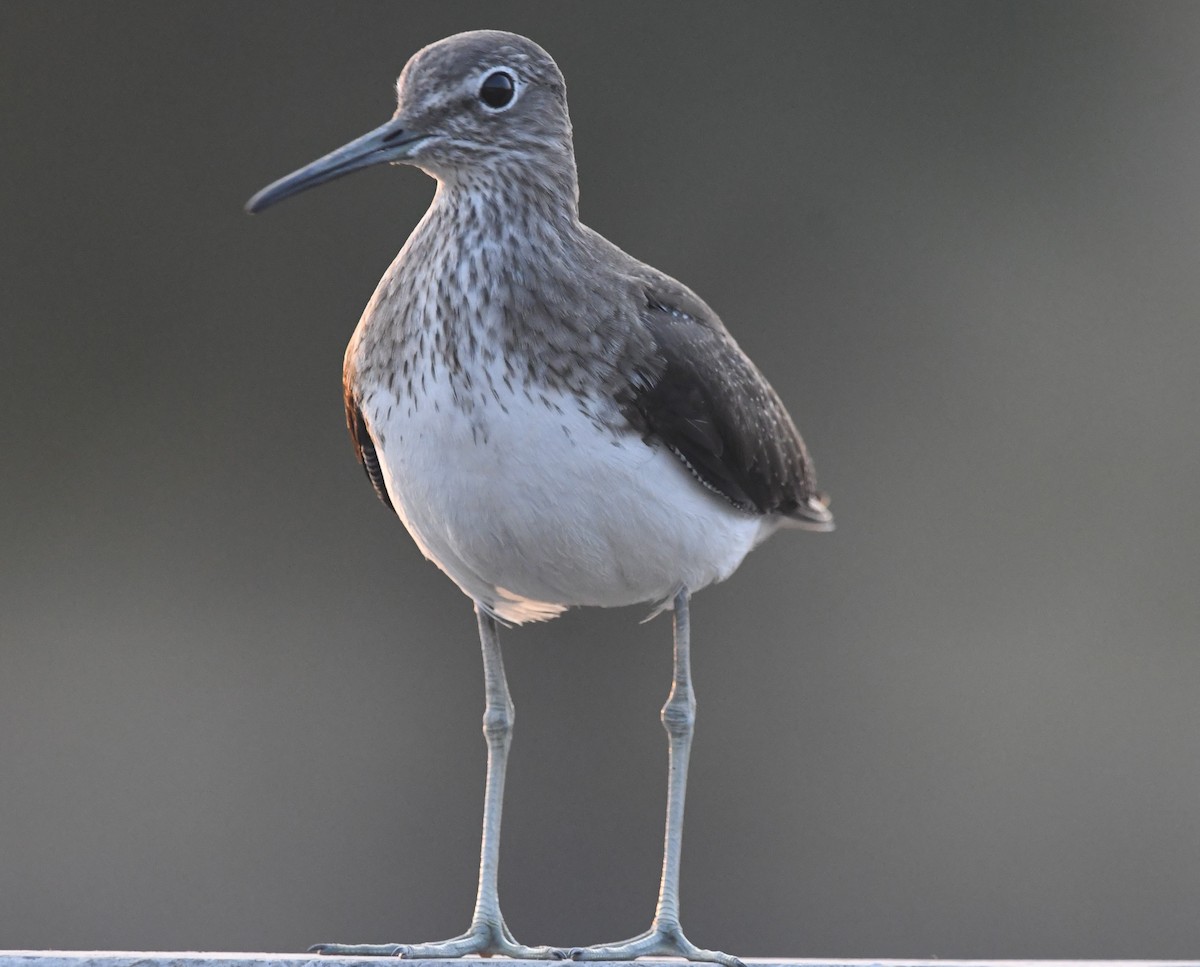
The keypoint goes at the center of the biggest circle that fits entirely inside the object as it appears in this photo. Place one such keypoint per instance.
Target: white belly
(537, 509)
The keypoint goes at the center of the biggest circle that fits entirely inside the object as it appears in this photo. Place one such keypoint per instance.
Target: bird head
(483, 104)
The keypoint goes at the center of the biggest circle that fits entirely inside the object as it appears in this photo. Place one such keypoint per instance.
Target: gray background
(241, 712)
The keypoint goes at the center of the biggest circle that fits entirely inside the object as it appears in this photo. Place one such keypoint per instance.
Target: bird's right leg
(665, 937)
(488, 935)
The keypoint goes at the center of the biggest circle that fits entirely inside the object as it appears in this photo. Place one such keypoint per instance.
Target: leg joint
(498, 720)
(679, 714)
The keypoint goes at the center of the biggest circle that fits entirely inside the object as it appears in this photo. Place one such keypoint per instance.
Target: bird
(556, 423)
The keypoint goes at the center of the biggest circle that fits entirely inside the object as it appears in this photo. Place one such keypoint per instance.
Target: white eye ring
(498, 91)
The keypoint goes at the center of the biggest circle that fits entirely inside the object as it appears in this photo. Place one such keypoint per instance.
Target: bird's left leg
(665, 937)
(488, 934)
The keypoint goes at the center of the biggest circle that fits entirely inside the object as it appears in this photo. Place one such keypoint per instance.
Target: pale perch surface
(126, 958)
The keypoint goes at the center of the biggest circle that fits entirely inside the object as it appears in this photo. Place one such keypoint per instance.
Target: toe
(357, 950)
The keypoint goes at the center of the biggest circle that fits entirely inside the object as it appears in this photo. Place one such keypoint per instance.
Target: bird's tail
(812, 515)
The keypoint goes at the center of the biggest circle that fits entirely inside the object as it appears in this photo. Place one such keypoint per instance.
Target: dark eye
(497, 89)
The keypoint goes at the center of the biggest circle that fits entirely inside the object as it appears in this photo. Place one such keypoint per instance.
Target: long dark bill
(388, 142)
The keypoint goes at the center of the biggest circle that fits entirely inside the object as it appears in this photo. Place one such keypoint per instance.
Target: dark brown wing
(711, 406)
(364, 448)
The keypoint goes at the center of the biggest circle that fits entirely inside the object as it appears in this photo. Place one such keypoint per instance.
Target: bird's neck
(490, 236)
(537, 196)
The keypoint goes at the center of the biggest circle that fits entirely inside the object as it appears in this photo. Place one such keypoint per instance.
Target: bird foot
(483, 939)
(659, 941)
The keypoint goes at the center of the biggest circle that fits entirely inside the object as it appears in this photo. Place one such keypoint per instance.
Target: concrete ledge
(145, 958)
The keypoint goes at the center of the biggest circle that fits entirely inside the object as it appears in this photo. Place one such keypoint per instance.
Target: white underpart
(537, 509)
